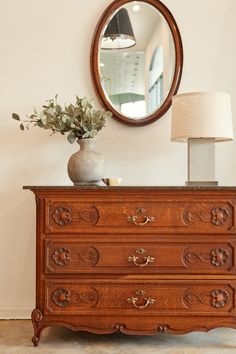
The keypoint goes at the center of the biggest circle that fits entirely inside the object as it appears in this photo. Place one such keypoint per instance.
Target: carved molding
(89, 297)
(217, 257)
(192, 216)
(89, 255)
(179, 328)
(190, 298)
(219, 216)
(37, 315)
(89, 215)
(163, 328)
(61, 297)
(193, 257)
(119, 328)
(217, 298)
(62, 216)
(62, 256)
(201, 214)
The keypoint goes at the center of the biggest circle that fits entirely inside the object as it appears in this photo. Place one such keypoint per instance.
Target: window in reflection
(155, 93)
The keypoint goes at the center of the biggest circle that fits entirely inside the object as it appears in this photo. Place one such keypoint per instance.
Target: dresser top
(91, 187)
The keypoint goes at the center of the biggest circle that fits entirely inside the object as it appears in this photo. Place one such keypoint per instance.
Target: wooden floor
(15, 338)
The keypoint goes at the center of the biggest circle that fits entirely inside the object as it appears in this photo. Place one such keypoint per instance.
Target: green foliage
(15, 116)
(81, 120)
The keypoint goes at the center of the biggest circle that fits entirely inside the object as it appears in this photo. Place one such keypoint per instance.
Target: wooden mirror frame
(94, 63)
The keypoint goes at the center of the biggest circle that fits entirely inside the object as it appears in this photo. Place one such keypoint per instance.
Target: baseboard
(12, 313)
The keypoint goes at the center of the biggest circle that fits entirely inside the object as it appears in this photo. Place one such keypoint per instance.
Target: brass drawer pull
(133, 218)
(147, 219)
(134, 300)
(135, 259)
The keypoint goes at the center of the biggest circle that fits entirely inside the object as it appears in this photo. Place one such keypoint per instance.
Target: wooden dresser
(139, 260)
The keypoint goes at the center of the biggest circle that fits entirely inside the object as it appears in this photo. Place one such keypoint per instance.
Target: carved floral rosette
(61, 256)
(61, 297)
(219, 257)
(62, 216)
(219, 216)
(219, 298)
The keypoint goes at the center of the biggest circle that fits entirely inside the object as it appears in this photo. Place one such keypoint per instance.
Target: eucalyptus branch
(80, 121)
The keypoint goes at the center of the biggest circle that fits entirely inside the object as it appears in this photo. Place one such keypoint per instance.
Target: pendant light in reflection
(119, 33)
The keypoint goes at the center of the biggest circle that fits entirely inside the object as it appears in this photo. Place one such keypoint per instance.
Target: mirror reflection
(136, 59)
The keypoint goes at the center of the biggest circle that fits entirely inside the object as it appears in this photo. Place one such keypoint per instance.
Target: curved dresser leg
(36, 317)
(35, 340)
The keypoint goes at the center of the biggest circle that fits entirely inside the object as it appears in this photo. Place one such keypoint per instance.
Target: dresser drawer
(72, 257)
(198, 216)
(140, 297)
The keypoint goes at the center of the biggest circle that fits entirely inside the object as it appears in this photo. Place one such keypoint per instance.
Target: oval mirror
(136, 60)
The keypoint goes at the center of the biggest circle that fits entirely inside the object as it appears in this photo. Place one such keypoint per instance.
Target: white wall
(45, 48)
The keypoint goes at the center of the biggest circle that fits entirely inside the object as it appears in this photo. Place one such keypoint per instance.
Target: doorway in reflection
(134, 108)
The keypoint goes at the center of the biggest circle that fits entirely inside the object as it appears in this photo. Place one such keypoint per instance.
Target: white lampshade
(201, 115)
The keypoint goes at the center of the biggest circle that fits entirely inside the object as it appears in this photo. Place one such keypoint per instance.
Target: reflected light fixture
(136, 7)
(119, 33)
(201, 119)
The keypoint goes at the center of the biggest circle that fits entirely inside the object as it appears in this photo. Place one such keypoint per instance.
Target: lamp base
(201, 162)
(201, 183)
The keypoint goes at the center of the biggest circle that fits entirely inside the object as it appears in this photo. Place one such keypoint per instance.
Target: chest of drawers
(139, 260)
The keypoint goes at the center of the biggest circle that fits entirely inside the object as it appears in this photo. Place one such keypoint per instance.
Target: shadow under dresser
(139, 260)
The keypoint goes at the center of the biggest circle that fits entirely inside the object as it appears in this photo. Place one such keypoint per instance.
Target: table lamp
(201, 119)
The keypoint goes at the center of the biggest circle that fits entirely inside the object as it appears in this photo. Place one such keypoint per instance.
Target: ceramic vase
(86, 166)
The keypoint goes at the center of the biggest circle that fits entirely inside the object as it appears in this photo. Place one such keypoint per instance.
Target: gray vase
(86, 166)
